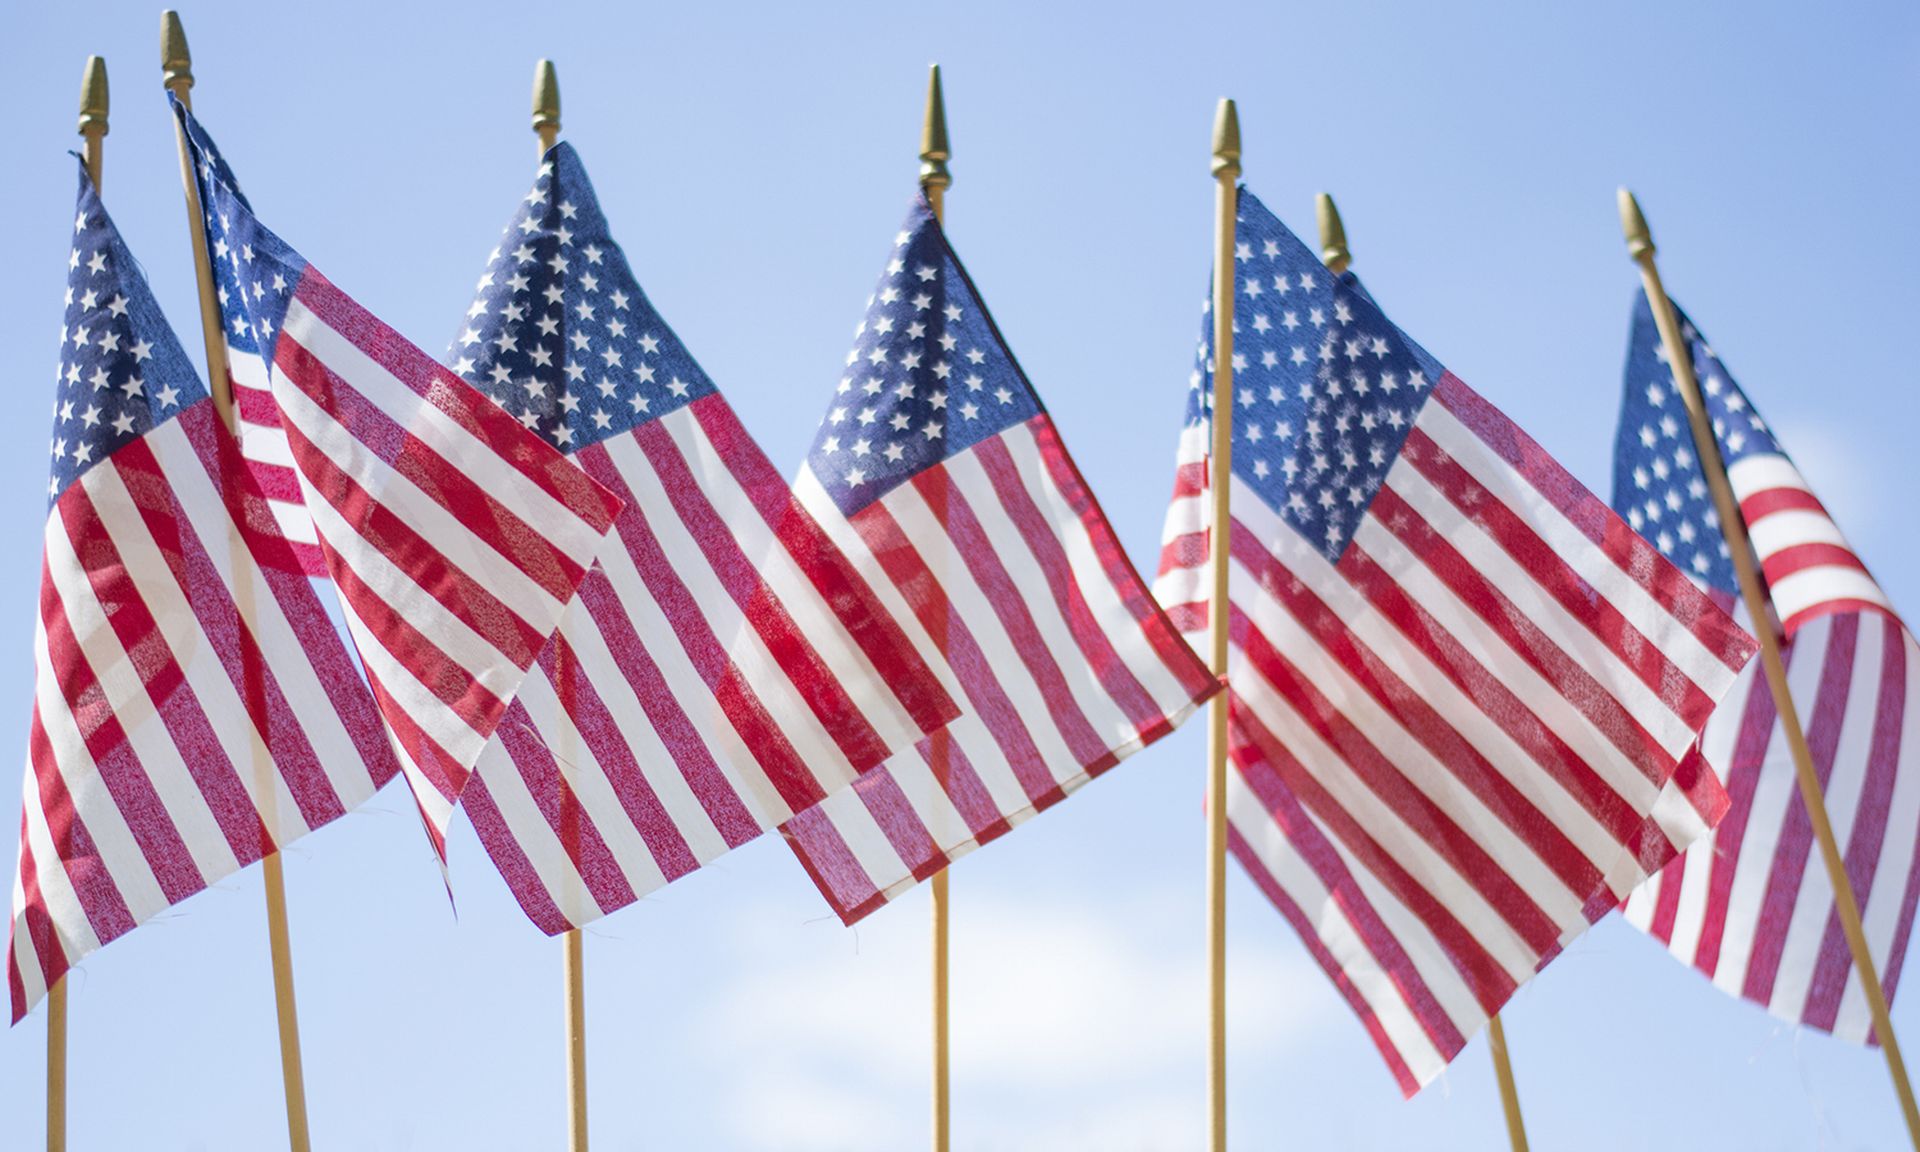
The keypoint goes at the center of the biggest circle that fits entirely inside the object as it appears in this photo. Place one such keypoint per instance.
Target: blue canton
(122, 372)
(559, 333)
(928, 377)
(1657, 482)
(1325, 387)
(254, 272)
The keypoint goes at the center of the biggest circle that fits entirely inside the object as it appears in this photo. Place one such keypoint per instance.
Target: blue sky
(755, 161)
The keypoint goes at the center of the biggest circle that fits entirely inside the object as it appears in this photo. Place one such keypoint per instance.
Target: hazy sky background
(755, 162)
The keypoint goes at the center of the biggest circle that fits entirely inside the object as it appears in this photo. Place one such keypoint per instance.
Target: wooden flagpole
(546, 126)
(1734, 526)
(176, 64)
(1226, 212)
(1338, 258)
(93, 129)
(934, 180)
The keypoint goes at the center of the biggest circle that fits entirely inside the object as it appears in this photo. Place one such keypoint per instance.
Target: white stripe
(1778, 531)
(529, 830)
(125, 693)
(1761, 472)
(1812, 586)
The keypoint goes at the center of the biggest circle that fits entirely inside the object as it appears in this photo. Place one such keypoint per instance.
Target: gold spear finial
(93, 113)
(1226, 141)
(546, 104)
(934, 149)
(176, 59)
(1333, 235)
(1633, 222)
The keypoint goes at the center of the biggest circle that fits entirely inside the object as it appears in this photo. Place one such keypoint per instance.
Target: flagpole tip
(93, 98)
(1633, 223)
(1333, 235)
(1226, 141)
(935, 151)
(546, 103)
(176, 59)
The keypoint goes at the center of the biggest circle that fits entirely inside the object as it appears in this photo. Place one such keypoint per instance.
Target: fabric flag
(939, 471)
(723, 667)
(453, 536)
(194, 709)
(1460, 685)
(1750, 906)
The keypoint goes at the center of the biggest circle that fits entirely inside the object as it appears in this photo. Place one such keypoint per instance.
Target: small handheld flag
(1460, 685)
(1750, 906)
(940, 473)
(194, 708)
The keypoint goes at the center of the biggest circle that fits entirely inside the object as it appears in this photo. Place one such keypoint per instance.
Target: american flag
(194, 709)
(723, 667)
(453, 536)
(938, 470)
(1460, 685)
(1750, 905)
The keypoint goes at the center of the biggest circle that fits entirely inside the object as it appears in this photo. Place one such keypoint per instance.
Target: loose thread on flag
(176, 68)
(935, 151)
(546, 127)
(1226, 174)
(1338, 258)
(1733, 525)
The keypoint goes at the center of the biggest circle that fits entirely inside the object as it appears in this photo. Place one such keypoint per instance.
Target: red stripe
(1186, 551)
(1666, 907)
(442, 772)
(879, 791)
(1312, 845)
(1424, 819)
(685, 744)
(41, 935)
(254, 406)
(1070, 487)
(812, 680)
(1902, 932)
(817, 844)
(148, 653)
(1557, 578)
(506, 855)
(975, 549)
(465, 405)
(119, 769)
(1435, 731)
(1868, 836)
(1563, 672)
(764, 737)
(832, 575)
(1190, 479)
(1483, 975)
(1832, 607)
(612, 750)
(1823, 722)
(1588, 514)
(1767, 501)
(986, 696)
(1796, 558)
(491, 525)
